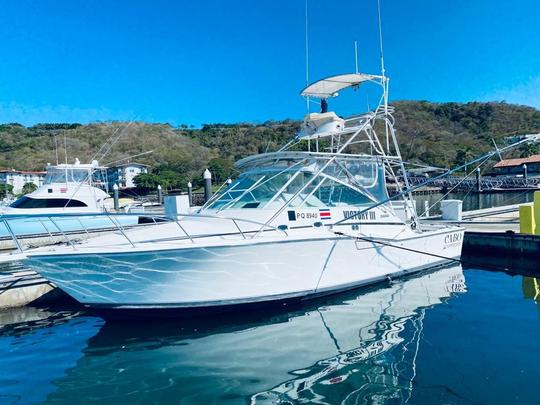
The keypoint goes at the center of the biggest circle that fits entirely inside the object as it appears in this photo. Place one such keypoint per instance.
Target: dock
(20, 286)
(488, 220)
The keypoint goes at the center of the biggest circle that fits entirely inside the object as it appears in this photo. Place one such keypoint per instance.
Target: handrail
(118, 226)
(13, 236)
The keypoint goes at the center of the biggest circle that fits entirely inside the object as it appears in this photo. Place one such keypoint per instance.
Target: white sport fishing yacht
(67, 189)
(312, 219)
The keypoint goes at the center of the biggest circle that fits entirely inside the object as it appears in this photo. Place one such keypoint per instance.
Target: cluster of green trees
(438, 134)
(7, 189)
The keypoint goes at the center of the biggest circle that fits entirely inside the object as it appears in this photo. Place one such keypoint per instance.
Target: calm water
(447, 336)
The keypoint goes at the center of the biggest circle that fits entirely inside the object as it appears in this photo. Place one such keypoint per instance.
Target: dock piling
(426, 208)
(159, 195)
(527, 223)
(478, 180)
(207, 185)
(536, 213)
(190, 193)
(116, 198)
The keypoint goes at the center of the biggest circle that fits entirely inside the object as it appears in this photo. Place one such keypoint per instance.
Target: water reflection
(37, 347)
(531, 290)
(356, 347)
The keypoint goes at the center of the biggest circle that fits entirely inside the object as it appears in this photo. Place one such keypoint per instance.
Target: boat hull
(191, 277)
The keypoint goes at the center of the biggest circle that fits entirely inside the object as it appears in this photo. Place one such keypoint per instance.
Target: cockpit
(305, 182)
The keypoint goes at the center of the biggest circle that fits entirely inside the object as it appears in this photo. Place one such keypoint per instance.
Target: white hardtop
(296, 156)
(330, 86)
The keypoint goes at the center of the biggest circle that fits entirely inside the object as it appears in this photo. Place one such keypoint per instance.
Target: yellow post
(527, 223)
(537, 211)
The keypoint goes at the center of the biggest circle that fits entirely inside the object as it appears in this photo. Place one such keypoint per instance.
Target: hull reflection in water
(360, 344)
(381, 358)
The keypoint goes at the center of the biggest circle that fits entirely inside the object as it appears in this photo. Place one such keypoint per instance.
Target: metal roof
(517, 162)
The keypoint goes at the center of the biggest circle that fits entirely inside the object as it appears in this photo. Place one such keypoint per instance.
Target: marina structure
(528, 166)
(321, 201)
(124, 175)
(18, 178)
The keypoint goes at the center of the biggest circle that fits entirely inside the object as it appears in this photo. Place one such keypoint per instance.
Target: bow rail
(73, 237)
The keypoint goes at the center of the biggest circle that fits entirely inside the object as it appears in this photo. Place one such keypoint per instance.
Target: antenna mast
(65, 156)
(56, 148)
(356, 56)
(307, 53)
(380, 36)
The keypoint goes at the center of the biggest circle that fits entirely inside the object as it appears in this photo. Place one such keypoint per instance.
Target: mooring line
(398, 247)
(480, 265)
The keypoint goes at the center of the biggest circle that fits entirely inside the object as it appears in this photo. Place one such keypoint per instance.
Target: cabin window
(33, 203)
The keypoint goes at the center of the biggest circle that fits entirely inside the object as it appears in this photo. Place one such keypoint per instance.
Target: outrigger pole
(533, 138)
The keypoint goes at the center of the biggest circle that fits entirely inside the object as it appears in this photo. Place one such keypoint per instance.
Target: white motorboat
(68, 190)
(313, 218)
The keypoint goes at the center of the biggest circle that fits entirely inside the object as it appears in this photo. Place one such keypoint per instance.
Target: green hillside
(440, 134)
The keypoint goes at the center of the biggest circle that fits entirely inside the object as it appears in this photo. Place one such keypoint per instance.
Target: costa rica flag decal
(324, 213)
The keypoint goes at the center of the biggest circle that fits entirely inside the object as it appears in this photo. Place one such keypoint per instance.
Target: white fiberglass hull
(258, 271)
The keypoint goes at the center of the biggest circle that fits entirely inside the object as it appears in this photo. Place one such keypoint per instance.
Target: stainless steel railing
(117, 226)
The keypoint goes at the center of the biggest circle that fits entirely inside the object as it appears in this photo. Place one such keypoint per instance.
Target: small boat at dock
(52, 209)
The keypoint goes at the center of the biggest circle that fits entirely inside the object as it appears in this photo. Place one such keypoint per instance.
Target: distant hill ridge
(439, 134)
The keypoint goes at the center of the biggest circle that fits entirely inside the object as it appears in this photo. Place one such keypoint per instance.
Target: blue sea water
(449, 336)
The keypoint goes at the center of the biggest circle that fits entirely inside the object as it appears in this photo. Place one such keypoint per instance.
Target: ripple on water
(424, 339)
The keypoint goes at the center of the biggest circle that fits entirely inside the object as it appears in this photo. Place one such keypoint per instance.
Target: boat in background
(311, 219)
(67, 189)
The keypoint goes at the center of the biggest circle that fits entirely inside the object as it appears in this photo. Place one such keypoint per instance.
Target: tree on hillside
(5, 190)
(28, 188)
(530, 149)
(221, 169)
(146, 181)
(166, 178)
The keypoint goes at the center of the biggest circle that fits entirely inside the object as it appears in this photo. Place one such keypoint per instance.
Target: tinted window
(27, 202)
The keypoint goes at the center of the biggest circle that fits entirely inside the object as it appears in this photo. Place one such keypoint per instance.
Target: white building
(18, 178)
(124, 175)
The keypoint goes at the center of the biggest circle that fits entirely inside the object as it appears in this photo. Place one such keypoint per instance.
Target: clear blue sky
(226, 61)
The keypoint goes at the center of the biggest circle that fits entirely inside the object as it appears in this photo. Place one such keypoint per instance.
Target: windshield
(59, 175)
(341, 183)
(75, 175)
(26, 202)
